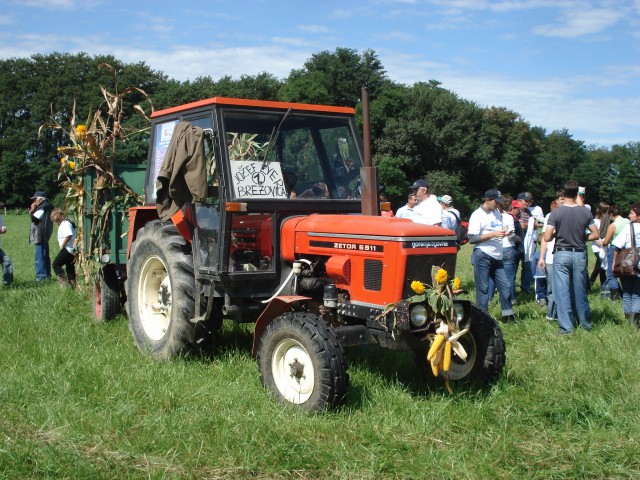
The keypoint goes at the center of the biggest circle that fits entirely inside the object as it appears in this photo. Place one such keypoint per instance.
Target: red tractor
(281, 241)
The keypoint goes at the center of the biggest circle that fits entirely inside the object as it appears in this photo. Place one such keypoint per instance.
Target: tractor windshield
(292, 155)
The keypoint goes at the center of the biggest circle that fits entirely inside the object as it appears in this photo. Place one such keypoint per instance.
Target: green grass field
(77, 400)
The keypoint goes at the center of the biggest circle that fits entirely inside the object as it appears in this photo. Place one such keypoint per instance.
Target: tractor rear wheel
(161, 291)
(301, 362)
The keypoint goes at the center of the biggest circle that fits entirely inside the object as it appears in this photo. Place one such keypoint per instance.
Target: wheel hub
(297, 369)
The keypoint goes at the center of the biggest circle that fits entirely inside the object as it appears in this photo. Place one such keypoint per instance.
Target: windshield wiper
(274, 136)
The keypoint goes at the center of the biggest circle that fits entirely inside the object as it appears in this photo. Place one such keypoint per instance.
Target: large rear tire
(486, 353)
(161, 291)
(106, 295)
(301, 362)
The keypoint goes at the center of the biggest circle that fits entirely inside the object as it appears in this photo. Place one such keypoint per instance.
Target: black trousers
(64, 258)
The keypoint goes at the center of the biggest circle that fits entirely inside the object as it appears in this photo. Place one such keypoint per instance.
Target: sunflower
(417, 287)
(456, 283)
(81, 131)
(442, 276)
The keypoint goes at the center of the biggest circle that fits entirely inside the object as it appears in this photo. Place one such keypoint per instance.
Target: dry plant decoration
(91, 153)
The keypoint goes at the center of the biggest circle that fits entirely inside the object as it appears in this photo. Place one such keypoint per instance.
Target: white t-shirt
(548, 255)
(536, 211)
(65, 230)
(509, 225)
(482, 222)
(428, 212)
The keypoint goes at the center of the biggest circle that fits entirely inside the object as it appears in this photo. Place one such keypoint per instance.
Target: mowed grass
(77, 400)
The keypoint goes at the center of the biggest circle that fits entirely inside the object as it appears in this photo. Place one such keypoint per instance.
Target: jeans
(526, 277)
(611, 284)
(630, 294)
(7, 268)
(510, 263)
(552, 307)
(43, 262)
(571, 279)
(539, 277)
(484, 268)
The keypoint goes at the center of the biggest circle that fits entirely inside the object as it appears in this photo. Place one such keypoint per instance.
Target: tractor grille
(373, 275)
(419, 268)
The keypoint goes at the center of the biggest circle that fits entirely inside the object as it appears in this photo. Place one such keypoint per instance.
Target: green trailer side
(108, 286)
(115, 242)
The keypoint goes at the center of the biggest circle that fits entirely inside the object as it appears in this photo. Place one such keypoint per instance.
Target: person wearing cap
(450, 216)
(428, 211)
(529, 222)
(407, 210)
(567, 224)
(5, 261)
(486, 233)
(40, 233)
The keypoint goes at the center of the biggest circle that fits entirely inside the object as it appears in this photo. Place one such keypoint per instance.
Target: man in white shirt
(407, 210)
(428, 211)
(486, 233)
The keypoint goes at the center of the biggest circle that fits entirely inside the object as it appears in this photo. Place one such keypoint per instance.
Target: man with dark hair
(486, 233)
(407, 210)
(567, 224)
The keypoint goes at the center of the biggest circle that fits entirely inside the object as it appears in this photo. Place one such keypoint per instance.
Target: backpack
(461, 230)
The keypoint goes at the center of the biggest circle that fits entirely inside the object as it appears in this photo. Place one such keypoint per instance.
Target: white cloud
(5, 20)
(313, 28)
(578, 23)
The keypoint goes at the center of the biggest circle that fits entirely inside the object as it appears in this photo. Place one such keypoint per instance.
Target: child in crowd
(66, 240)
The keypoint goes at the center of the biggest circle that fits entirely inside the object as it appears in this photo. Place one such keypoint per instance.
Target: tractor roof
(263, 104)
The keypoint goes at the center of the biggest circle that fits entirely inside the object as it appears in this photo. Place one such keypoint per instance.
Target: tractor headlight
(418, 315)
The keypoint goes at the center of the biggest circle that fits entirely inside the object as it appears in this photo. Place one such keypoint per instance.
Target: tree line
(420, 130)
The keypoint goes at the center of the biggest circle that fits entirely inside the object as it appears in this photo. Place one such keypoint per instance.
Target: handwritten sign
(257, 179)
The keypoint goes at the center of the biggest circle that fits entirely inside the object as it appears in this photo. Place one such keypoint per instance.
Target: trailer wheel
(485, 349)
(161, 291)
(301, 362)
(106, 295)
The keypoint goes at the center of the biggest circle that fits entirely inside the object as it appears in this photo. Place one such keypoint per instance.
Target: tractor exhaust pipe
(368, 173)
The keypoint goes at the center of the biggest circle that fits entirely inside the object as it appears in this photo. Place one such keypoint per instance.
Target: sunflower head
(456, 283)
(442, 276)
(417, 287)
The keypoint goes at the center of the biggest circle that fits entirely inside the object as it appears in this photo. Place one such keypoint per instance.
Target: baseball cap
(420, 183)
(525, 196)
(37, 194)
(446, 199)
(494, 194)
(515, 204)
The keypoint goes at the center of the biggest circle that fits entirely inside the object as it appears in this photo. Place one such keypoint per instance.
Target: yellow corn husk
(435, 346)
(446, 361)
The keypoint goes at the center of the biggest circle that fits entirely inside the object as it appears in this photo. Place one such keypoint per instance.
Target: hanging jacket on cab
(182, 177)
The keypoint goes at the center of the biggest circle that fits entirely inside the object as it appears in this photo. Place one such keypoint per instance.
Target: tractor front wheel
(301, 362)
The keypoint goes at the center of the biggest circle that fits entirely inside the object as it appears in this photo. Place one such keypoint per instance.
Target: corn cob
(446, 361)
(435, 346)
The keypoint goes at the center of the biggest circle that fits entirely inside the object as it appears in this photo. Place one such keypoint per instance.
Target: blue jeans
(526, 276)
(510, 263)
(570, 278)
(43, 262)
(630, 294)
(539, 277)
(7, 268)
(611, 284)
(484, 268)
(552, 307)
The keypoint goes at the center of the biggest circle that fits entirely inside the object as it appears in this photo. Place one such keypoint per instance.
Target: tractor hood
(299, 232)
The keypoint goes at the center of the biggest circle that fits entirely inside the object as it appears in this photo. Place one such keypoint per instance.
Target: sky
(571, 64)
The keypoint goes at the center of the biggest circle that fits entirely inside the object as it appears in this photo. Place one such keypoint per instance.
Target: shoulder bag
(626, 264)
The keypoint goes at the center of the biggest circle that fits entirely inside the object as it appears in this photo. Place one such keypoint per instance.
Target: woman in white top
(630, 285)
(66, 240)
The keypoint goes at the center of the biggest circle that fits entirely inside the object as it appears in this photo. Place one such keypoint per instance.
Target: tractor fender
(276, 307)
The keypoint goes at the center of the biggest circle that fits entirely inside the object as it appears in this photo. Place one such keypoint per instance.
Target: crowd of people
(551, 251)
